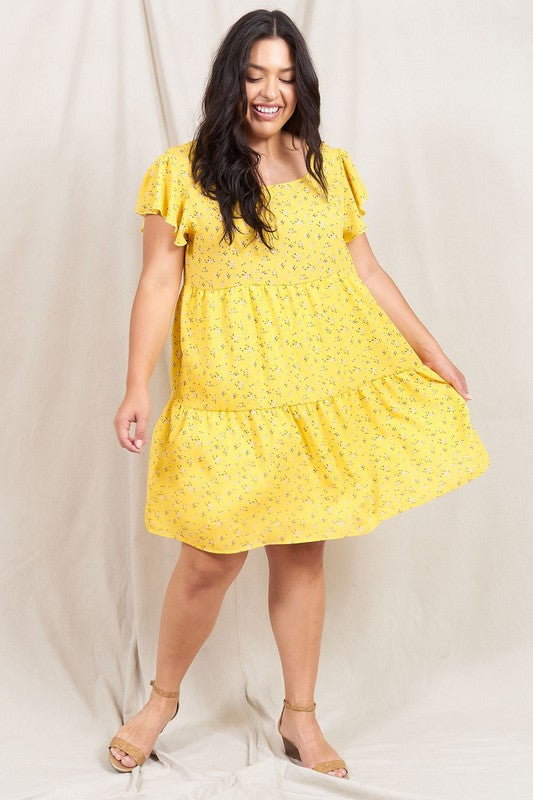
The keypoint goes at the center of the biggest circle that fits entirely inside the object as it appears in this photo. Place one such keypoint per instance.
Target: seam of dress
(329, 276)
(182, 228)
(327, 399)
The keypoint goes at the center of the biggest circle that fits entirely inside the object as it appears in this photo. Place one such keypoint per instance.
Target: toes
(123, 757)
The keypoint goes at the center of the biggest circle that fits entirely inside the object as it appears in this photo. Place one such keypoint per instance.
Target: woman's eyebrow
(256, 66)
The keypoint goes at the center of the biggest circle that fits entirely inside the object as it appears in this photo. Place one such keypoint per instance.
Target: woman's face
(270, 87)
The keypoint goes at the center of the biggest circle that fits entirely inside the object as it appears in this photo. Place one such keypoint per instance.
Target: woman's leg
(296, 602)
(192, 601)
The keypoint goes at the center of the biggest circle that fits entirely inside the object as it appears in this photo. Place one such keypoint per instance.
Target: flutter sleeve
(163, 190)
(354, 196)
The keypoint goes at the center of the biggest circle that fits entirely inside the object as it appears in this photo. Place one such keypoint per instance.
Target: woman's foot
(304, 731)
(143, 729)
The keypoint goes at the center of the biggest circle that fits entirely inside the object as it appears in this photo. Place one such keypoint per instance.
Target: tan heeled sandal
(131, 749)
(292, 751)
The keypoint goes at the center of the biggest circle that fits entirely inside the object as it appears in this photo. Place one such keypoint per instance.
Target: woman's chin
(264, 128)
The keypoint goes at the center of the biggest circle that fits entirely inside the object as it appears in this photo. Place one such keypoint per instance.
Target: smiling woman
(308, 402)
(260, 121)
(270, 96)
(271, 101)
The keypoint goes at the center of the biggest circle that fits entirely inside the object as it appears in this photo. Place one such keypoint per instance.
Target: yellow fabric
(298, 411)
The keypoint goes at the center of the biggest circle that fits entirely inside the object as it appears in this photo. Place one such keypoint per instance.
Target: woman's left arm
(396, 307)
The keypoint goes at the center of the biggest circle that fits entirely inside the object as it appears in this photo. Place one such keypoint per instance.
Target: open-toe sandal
(292, 751)
(133, 751)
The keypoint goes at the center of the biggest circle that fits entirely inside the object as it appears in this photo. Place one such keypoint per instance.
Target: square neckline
(294, 180)
(286, 183)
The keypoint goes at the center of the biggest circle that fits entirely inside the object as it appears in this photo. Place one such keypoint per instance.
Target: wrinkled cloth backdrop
(422, 684)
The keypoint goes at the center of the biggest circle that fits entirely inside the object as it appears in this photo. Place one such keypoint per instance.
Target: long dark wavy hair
(222, 161)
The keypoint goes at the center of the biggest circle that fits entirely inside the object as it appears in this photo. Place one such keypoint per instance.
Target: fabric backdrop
(423, 685)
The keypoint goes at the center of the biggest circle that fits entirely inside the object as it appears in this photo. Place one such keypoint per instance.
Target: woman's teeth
(267, 111)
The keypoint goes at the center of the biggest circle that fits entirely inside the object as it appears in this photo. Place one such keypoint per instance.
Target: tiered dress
(298, 411)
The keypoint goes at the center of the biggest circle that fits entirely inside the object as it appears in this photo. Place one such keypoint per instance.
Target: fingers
(462, 389)
(122, 429)
(134, 410)
(140, 432)
(459, 384)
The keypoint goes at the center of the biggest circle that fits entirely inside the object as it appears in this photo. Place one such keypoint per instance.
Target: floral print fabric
(298, 411)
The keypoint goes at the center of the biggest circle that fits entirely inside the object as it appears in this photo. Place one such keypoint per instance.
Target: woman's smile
(267, 112)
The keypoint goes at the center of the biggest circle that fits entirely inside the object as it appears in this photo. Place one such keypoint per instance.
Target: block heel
(292, 751)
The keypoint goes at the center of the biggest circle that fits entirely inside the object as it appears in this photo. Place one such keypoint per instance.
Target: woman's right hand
(135, 408)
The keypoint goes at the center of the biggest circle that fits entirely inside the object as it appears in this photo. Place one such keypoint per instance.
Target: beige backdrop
(422, 686)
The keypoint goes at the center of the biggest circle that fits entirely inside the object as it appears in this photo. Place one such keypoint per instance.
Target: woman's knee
(303, 555)
(205, 569)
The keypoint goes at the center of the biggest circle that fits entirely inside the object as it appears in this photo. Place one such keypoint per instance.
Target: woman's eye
(254, 80)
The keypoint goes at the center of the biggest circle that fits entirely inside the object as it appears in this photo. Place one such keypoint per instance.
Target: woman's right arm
(151, 316)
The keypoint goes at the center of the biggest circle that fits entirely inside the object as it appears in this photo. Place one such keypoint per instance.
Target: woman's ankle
(161, 704)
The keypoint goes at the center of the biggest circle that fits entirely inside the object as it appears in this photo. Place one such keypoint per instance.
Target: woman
(308, 401)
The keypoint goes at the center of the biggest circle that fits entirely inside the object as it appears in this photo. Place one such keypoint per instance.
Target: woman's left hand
(442, 365)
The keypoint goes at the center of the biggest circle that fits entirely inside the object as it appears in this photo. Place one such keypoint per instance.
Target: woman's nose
(270, 91)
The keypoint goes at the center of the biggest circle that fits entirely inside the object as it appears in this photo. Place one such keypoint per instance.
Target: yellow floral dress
(298, 411)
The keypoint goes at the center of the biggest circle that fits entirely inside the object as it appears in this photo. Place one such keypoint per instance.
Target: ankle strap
(299, 708)
(162, 692)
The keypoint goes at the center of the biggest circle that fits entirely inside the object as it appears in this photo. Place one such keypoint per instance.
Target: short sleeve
(354, 196)
(163, 190)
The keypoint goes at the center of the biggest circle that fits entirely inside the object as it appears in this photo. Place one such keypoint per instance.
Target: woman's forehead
(264, 50)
